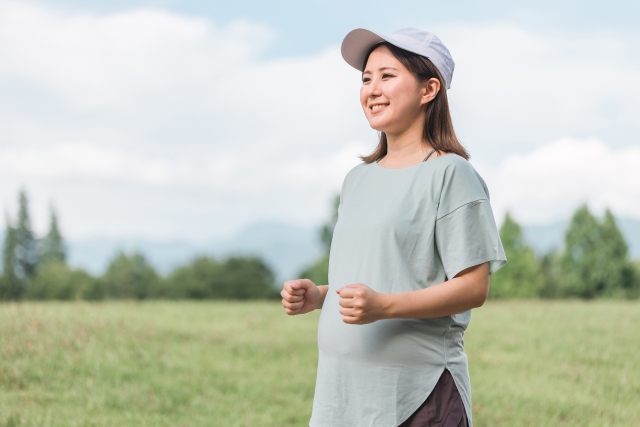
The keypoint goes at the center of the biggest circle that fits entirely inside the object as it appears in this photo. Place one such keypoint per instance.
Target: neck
(407, 146)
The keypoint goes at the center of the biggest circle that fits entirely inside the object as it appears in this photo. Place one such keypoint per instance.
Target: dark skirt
(443, 407)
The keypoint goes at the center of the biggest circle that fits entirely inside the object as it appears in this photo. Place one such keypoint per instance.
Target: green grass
(247, 364)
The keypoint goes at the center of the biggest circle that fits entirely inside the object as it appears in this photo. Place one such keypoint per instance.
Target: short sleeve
(468, 236)
(466, 233)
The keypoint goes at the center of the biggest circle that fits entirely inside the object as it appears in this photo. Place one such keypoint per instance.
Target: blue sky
(305, 27)
(192, 119)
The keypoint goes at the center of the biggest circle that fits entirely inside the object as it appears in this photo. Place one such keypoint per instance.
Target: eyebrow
(380, 69)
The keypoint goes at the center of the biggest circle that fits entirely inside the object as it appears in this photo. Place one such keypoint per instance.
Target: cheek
(363, 98)
(404, 97)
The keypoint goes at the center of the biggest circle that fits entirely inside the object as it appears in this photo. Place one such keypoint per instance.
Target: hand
(359, 304)
(300, 296)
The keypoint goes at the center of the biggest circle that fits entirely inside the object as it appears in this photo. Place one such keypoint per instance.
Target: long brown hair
(438, 127)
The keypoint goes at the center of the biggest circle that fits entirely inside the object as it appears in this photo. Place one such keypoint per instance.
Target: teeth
(378, 107)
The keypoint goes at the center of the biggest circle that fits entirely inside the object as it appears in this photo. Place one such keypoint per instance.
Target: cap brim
(357, 44)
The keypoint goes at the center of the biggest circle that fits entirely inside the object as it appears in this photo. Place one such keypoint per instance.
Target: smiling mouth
(378, 107)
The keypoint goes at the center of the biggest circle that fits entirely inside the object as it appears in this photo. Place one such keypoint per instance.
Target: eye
(385, 75)
(366, 80)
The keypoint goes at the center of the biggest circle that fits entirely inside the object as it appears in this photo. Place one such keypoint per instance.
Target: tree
(3, 289)
(634, 292)
(520, 277)
(234, 278)
(617, 274)
(580, 261)
(194, 280)
(52, 246)
(26, 250)
(595, 261)
(11, 285)
(550, 266)
(244, 278)
(326, 232)
(56, 281)
(318, 272)
(130, 277)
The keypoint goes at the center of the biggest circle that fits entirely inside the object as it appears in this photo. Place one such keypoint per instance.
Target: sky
(191, 119)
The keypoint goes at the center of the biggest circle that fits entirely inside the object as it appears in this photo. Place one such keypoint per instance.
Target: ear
(430, 89)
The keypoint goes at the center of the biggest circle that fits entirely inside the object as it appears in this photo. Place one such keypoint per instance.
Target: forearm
(454, 296)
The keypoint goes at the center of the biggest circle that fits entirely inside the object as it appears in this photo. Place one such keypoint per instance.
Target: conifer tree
(595, 261)
(52, 246)
(13, 288)
(520, 277)
(617, 272)
(580, 262)
(551, 274)
(26, 250)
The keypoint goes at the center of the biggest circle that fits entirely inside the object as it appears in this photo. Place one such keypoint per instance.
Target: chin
(378, 125)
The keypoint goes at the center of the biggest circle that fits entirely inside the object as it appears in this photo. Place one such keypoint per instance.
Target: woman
(411, 255)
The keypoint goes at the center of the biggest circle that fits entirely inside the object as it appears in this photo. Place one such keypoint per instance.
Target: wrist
(388, 306)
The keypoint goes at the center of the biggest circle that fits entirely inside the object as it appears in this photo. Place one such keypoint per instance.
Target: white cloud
(143, 72)
(86, 161)
(81, 160)
(514, 89)
(107, 61)
(125, 106)
(551, 181)
(152, 123)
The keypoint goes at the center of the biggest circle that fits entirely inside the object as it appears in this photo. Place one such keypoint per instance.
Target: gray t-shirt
(400, 230)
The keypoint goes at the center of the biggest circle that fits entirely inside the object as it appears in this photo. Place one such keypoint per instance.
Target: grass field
(247, 364)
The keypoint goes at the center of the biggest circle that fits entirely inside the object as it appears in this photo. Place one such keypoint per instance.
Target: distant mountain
(286, 248)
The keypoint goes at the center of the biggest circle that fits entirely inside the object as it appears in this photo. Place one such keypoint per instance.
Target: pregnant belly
(389, 341)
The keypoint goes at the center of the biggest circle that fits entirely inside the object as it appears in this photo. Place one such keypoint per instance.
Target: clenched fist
(359, 304)
(301, 296)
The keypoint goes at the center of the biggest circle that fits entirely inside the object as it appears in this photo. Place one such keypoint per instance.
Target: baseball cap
(359, 42)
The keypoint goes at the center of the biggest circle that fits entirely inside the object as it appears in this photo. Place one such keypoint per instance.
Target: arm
(302, 296)
(468, 289)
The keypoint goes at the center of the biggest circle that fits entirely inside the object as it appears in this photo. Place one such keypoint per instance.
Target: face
(391, 97)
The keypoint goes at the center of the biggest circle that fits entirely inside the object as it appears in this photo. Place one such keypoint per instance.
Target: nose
(374, 88)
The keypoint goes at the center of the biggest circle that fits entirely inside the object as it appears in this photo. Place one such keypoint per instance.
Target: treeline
(37, 269)
(594, 261)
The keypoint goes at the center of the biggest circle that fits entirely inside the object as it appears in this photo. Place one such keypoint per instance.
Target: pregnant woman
(411, 255)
